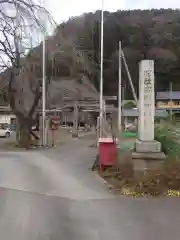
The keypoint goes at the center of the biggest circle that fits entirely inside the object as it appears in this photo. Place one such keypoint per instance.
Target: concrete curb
(104, 182)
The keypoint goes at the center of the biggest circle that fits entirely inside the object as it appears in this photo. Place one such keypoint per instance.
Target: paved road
(51, 195)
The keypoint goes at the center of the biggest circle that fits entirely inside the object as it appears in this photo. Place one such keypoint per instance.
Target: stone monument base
(142, 166)
(147, 146)
(147, 156)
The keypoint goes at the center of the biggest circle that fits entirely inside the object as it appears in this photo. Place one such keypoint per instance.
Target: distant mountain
(148, 34)
(74, 48)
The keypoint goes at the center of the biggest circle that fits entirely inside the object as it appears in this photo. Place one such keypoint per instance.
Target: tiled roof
(174, 95)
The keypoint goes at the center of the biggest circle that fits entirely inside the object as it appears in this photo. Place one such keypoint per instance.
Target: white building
(6, 116)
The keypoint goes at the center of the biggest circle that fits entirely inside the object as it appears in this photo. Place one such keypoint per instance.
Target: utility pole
(44, 127)
(170, 89)
(129, 77)
(101, 69)
(44, 92)
(17, 48)
(119, 90)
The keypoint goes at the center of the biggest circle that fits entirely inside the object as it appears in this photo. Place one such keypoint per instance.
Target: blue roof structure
(174, 95)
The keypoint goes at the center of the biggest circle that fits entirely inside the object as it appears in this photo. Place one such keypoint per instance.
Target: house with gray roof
(167, 95)
(169, 101)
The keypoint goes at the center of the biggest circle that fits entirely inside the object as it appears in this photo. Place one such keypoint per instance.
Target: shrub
(169, 140)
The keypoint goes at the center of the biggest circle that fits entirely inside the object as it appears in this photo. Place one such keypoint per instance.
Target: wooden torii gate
(87, 105)
(91, 106)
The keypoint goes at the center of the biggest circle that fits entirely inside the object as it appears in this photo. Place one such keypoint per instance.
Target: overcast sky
(63, 9)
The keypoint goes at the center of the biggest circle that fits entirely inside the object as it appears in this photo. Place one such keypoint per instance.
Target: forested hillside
(152, 34)
(148, 34)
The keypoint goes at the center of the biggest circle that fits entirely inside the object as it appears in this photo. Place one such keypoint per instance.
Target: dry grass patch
(164, 181)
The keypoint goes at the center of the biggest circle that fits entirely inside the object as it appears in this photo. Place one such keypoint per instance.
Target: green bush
(168, 138)
(129, 105)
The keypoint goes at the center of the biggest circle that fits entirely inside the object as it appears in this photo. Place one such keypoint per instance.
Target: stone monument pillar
(146, 101)
(146, 147)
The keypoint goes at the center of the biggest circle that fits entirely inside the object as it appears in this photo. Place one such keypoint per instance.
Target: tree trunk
(75, 123)
(17, 131)
(24, 135)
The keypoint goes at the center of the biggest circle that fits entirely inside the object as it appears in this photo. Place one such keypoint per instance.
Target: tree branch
(6, 52)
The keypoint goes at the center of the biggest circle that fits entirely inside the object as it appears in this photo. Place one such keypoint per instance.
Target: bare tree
(19, 20)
